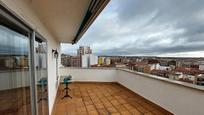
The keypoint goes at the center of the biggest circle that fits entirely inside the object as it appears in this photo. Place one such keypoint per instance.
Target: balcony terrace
(106, 91)
(133, 91)
(104, 99)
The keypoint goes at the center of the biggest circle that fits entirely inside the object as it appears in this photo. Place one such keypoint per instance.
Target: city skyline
(75, 53)
(153, 28)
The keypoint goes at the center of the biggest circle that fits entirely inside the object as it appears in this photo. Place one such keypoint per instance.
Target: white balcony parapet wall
(177, 97)
(89, 75)
(174, 96)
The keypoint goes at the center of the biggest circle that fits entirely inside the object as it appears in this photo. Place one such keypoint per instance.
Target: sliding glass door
(23, 68)
(41, 75)
(14, 73)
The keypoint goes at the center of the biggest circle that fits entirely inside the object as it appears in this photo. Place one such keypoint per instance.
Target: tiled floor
(103, 99)
(16, 101)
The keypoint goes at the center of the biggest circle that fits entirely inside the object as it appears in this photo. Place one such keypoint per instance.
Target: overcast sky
(147, 27)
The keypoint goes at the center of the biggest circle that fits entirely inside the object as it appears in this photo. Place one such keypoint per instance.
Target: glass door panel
(14, 73)
(41, 76)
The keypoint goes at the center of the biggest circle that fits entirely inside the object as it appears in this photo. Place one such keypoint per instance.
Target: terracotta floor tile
(115, 102)
(110, 98)
(125, 113)
(88, 103)
(128, 106)
(136, 105)
(156, 112)
(79, 104)
(96, 101)
(124, 96)
(60, 112)
(93, 113)
(71, 109)
(121, 108)
(115, 114)
(135, 112)
(142, 109)
(118, 97)
(112, 109)
(90, 108)
(99, 105)
(84, 94)
(122, 101)
(107, 94)
(81, 109)
(148, 113)
(71, 113)
(149, 107)
(86, 98)
(107, 104)
(103, 112)
(82, 113)
(102, 99)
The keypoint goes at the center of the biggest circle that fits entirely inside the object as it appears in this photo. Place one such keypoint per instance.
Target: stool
(67, 81)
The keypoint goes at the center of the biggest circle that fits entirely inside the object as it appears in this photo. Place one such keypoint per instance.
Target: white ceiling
(61, 17)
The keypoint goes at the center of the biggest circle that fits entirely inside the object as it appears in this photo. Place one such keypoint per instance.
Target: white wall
(84, 61)
(90, 75)
(178, 99)
(23, 9)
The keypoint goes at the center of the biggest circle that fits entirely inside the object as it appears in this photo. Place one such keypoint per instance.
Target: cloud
(147, 27)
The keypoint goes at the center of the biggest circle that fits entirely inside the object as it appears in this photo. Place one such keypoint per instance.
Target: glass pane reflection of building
(41, 76)
(14, 73)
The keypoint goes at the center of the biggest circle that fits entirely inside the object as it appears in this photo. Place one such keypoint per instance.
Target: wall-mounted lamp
(55, 53)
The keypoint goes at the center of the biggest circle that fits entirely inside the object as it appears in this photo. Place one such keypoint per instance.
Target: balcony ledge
(105, 68)
(201, 88)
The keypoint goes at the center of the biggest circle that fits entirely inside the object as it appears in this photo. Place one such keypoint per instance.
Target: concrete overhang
(68, 20)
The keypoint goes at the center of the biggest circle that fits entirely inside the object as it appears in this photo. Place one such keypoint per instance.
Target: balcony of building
(103, 99)
(120, 91)
(36, 28)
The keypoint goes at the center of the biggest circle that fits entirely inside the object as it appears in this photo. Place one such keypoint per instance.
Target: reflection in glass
(41, 76)
(14, 73)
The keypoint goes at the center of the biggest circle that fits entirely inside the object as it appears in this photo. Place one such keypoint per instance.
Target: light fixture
(55, 53)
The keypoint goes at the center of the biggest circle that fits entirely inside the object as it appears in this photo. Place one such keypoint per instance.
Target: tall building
(84, 58)
(84, 50)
